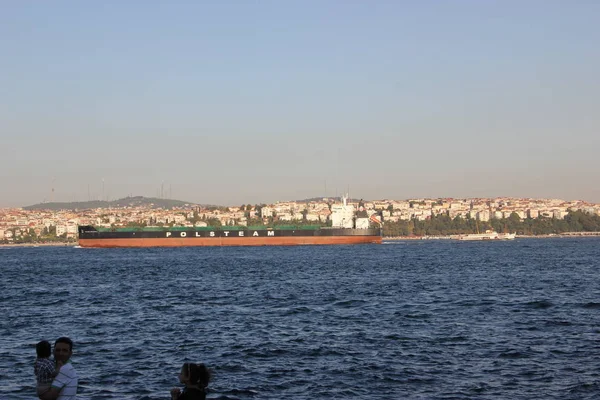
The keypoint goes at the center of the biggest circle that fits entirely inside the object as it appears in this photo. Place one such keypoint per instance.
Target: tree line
(441, 225)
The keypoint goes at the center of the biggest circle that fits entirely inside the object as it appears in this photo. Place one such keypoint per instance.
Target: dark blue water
(415, 320)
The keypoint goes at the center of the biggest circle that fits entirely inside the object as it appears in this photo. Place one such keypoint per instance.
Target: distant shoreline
(390, 238)
(55, 244)
(454, 237)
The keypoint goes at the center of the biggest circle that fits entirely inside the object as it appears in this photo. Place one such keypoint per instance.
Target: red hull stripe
(245, 241)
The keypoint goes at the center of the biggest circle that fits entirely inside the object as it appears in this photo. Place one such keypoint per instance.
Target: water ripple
(435, 320)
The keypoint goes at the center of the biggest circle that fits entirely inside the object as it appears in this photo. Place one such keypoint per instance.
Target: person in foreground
(44, 368)
(64, 385)
(195, 377)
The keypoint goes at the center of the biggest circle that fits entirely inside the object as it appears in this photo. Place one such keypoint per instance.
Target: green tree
(213, 222)
(575, 221)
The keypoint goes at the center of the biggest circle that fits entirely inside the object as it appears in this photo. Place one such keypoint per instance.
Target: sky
(248, 102)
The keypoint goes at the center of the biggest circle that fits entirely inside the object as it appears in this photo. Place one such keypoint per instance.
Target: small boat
(488, 235)
(506, 236)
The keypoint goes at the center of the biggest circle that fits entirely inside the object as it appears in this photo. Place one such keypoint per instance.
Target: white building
(483, 215)
(401, 205)
(21, 221)
(533, 213)
(284, 216)
(456, 206)
(312, 217)
(559, 214)
(457, 213)
(324, 216)
(297, 216)
(178, 218)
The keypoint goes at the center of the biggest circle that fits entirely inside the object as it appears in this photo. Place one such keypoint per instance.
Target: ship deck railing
(209, 228)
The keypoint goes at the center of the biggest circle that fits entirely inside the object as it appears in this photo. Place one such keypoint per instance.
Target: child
(195, 377)
(44, 367)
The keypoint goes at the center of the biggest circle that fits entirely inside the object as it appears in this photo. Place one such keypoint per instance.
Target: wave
(541, 304)
(591, 305)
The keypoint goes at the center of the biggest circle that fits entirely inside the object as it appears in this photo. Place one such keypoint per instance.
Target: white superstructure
(342, 215)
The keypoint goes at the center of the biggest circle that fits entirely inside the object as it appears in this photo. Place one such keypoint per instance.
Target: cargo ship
(345, 229)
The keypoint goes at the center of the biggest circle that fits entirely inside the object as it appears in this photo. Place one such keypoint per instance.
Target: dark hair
(43, 349)
(66, 340)
(197, 374)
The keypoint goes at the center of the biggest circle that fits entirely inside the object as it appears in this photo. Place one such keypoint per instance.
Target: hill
(137, 201)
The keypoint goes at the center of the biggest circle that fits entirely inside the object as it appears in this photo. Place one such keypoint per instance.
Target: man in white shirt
(64, 385)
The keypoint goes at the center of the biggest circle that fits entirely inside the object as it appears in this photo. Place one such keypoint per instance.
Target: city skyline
(96, 195)
(233, 102)
(301, 199)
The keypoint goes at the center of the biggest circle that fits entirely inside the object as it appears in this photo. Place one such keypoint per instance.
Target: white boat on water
(506, 236)
(488, 235)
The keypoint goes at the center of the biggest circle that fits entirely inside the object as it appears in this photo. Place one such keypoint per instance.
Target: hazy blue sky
(235, 102)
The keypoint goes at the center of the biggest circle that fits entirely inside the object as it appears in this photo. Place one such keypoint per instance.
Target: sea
(435, 319)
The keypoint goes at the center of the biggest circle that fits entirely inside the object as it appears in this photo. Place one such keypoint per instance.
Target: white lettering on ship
(224, 233)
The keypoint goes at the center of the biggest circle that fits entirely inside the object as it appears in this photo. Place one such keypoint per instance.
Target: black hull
(90, 237)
